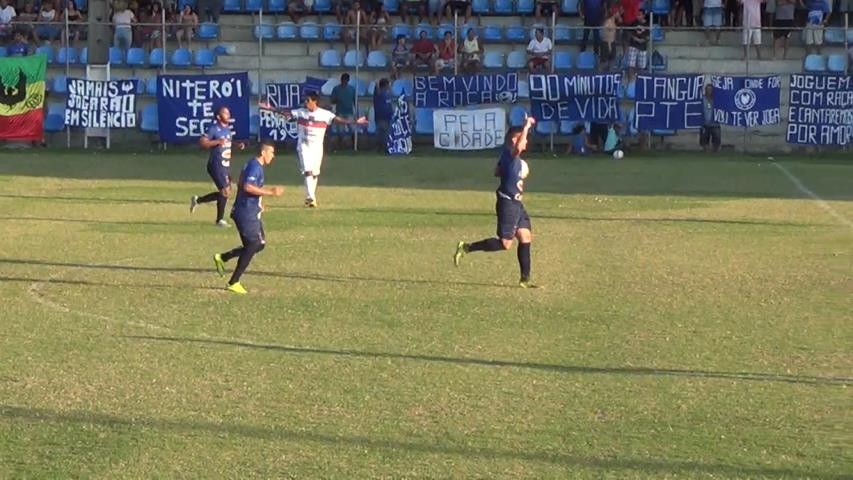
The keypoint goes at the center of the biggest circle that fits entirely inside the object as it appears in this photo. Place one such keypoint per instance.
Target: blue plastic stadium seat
(566, 127)
(351, 58)
(516, 116)
(587, 61)
(326, 89)
(493, 60)
(523, 89)
(481, 7)
(265, 31)
(332, 31)
(444, 27)
(493, 33)
(116, 56)
(360, 87)
(837, 63)
(140, 85)
(660, 7)
(391, 6)
(82, 5)
(546, 127)
(157, 58)
(834, 35)
(424, 27)
(4, 52)
(149, 121)
(516, 59)
(287, 31)
(401, 29)
(524, 7)
(815, 63)
(657, 34)
(660, 132)
(59, 85)
(204, 57)
(423, 121)
(532, 30)
(66, 55)
(182, 57)
(48, 51)
(401, 86)
(562, 34)
(208, 31)
(151, 86)
(277, 6)
(562, 60)
(309, 31)
(136, 57)
(253, 6)
(330, 59)
(54, 120)
(658, 61)
(322, 6)
(463, 30)
(570, 7)
(377, 59)
(191, 3)
(516, 33)
(504, 7)
(232, 6)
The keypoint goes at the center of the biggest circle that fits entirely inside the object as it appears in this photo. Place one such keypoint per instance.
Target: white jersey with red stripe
(311, 128)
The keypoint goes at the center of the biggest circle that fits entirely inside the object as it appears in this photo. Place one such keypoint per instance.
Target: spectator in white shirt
(7, 16)
(123, 20)
(539, 52)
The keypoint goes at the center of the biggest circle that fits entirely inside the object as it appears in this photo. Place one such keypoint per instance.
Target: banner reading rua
(22, 97)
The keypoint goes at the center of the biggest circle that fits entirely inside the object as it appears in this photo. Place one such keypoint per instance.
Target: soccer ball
(525, 170)
(618, 154)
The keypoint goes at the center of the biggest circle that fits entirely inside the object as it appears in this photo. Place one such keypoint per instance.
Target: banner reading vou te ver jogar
(22, 97)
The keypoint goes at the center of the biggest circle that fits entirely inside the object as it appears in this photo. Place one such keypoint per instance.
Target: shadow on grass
(404, 447)
(640, 371)
(91, 283)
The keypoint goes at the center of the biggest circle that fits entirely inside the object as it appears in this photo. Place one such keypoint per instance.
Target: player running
(513, 221)
(217, 139)
(312, 122)
(246, 213)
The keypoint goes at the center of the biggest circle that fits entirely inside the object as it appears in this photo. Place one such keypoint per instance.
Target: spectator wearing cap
(818, 16)
(472, 52)
(539, 52)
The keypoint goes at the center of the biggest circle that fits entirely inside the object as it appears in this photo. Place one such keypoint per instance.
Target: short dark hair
(220, 108)
(344, 77)
(513, 131)
(383, 83)
(266, 143)
(540, 30)
(313, 96)
(578, 128)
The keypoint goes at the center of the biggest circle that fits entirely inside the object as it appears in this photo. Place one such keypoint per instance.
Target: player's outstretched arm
(362, 120)
(261, 191)
(287, 113)
(521, 145)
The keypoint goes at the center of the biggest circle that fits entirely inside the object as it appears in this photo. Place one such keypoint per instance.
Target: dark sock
(221, 201)
(487, 245)
(234, 252)
(243, 262)
(209, 197)
(524, 259)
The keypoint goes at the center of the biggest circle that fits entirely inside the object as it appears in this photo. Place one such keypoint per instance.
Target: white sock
(313, 187)
(309, 191)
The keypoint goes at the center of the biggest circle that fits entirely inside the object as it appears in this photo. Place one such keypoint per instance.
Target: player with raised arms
(312, 122)
(513, 221)
(246, 214)
(217, 139)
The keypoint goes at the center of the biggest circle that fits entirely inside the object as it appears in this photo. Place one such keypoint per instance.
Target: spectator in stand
(709, 134)
(188, 22)
(608, 38)
(25, 20)
(296, 9)
(630, 18)
(783, 22)
(638, 53)
(382, 112)
(580, 143)
(123, 20)
(343, 98)
(547, 8)
(446, 54)
(592, 13)
(472, 53)
(342, 8)
(379, 21)
(682, 14)
(712, 19)
(414, 7)
(75, 22)
(7, 16)
(19, 47)
(460, 7)
(209, 10)
(818, 17)
(423, 52)
(355, 16)
(732, 13)
(539, 52)
(47, 28)
(751, 27)
(401, 57)
(150, 30)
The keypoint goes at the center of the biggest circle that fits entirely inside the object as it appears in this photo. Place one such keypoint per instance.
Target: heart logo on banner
(745, 99)
(127, 87)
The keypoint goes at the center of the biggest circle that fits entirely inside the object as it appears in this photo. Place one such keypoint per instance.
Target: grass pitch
(694, 322)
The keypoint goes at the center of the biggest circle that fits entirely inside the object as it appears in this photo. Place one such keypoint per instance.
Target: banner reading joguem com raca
(22, 97)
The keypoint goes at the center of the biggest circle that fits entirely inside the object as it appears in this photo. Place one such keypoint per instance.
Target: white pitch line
(820, 201)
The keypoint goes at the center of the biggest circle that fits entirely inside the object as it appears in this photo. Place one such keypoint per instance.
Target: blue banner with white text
(273, 125)
(585, 97)
(187, 104)
(820, 109)
(746, 101)
(669, 102)
(447, 91)
(399, 141)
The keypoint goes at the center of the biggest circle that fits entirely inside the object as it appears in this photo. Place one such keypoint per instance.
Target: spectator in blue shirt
(382, 112)
(818, 17)
(19, 47)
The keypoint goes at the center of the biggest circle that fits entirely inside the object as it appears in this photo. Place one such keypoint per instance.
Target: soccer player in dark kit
(513, 221)
(217, 139)
(246, 214)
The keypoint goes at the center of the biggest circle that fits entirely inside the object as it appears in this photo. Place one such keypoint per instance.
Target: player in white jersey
(312, 122)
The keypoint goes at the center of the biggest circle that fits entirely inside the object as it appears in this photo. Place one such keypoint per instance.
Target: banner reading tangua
(669, 102)
(22, 97)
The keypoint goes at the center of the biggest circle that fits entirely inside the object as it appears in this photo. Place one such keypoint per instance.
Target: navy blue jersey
(220, 156)
(247, 205)
(509, 167)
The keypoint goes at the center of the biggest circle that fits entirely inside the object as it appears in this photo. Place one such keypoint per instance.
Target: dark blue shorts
(251, 230)
(511, 217)
(221, 176)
